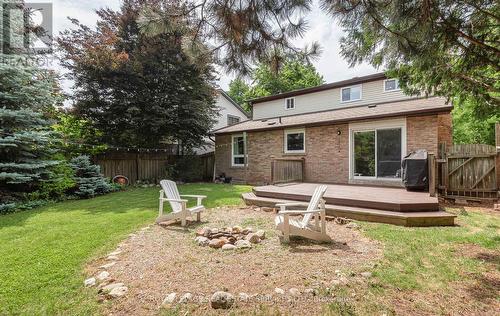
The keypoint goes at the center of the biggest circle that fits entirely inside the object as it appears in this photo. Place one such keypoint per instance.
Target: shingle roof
(347, 114)
(322, 87)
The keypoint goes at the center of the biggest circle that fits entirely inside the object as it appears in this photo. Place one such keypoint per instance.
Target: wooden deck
(374, 204)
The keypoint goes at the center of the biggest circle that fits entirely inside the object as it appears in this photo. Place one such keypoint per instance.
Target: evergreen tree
(448, 47)
(88, 178)
(27, 93)
(139, 89)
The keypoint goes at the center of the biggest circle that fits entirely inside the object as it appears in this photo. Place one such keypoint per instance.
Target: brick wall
(327, 153)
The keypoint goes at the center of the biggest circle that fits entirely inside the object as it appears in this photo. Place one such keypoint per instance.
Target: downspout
(245, 156)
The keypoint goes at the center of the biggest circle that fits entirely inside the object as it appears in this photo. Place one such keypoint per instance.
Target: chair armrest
(174, 200)
(283, 206)
(199, 198)
(299, 212)
(194, 196)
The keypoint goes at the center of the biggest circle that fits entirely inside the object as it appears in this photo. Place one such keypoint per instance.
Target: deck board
(384, 198)
(375, 204)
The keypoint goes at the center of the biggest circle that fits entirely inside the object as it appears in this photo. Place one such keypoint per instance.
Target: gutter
(330, 122)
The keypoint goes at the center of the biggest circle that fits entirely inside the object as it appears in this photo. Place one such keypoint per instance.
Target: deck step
(427, 218)
(389, 199)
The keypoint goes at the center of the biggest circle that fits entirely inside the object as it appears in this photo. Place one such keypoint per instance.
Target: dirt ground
(159, 260)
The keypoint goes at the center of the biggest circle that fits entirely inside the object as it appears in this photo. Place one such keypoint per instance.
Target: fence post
(497, 158)
(432, 175)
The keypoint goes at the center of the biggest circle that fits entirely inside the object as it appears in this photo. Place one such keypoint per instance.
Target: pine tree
(89, 181)
(26, 151)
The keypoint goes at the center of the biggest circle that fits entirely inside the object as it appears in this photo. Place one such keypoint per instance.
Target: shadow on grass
(485, 289)
(297, 245)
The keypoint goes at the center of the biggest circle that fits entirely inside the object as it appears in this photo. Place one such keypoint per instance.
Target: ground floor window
(295, 141)
(377, 152)
(238, 151)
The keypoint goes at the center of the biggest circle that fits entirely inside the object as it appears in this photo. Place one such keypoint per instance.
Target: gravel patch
(158, 261)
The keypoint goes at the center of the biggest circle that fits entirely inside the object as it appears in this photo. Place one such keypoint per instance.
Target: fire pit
(229, 238)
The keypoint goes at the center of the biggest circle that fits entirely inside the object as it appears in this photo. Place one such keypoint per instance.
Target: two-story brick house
(349, 132)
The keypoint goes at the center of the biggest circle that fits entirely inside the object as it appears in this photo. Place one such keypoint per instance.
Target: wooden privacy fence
(285, 170)
(465, 171)
(153, 167)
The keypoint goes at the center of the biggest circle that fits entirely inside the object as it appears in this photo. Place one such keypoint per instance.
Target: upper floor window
(295, 141)
(231, 120)
(391, 85)
(349, 94)
(290, 104)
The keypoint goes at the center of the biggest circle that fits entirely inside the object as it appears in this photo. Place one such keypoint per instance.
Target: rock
(242, 244)
(108, 288)
(118, 291)
(310, 291)
(214, 231)
(89, 282)
(261, 233)
(103, 276)
(203, 232)
(186, 298)
(228, 247)
(221, 300)
(115, 253)
(231, 240)
(352, 225)
(366, 274)
(279, 291)
(253, 238)
(112, 258)
(336, 282)
(169, 299)
(294, 292)
(202, 241)
(247, 230)
(216, 236)
(216, 243)
(243, 297)
(237, 229)
(107, 265)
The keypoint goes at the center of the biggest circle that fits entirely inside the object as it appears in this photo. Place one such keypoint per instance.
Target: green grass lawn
(429, 260)
(43, 251)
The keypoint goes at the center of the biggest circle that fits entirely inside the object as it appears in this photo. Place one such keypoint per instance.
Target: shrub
(61, 181)
(88, 178)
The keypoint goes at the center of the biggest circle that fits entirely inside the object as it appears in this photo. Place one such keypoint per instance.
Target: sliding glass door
(377, 153)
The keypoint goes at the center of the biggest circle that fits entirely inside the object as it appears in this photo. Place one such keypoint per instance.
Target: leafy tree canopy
(293, 74)
(137, 88)
(469, 129)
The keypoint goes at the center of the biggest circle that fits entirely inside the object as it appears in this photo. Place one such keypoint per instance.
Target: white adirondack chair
(304, 228)
(180, 211)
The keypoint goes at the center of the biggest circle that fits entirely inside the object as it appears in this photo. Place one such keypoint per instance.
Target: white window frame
(360, 86)
(286, 104)
(237, 156)
(374, 126)
(285, 142)
(397, 80)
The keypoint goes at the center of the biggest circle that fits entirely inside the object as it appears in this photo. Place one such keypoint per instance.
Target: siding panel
(372, 92)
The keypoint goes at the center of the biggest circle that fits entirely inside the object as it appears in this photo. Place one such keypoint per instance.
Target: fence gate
(468, 171)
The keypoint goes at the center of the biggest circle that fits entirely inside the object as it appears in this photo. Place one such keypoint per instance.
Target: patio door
(376, 151)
